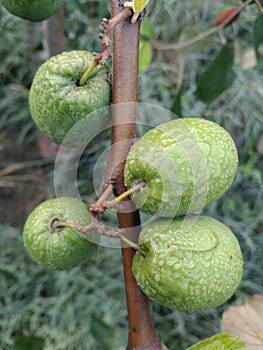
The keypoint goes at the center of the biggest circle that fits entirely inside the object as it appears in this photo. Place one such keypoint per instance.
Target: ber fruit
(57, 102)
(33, 10)
(185, 164)
(58, 248)
(190, 264)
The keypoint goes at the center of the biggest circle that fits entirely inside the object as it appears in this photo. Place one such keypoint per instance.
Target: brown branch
(142, 334)
(108, 26)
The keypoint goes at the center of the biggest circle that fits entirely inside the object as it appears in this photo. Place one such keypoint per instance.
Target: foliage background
(85, 307)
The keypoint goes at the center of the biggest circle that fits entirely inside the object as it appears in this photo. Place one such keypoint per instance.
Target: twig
(180, 46)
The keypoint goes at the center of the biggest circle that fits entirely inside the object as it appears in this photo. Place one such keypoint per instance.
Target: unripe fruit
(186, 164)
(191, 263)
(60, 248)
(220, 341)
(56, 101)
(33, 10)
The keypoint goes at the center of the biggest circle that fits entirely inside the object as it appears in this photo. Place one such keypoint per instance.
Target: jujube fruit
(58, 248)
(190, 264)
(185, 164)
(57, 103)
(33, 10)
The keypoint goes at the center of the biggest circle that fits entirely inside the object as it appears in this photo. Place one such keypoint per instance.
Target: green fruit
(58, 248)
(33, 10)
(190, 264)
(219, 342)
(56, 101)
(186, 164)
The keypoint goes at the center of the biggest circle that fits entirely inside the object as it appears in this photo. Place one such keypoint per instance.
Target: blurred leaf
(189, 33)
(257, 34)
(246, 322)
(177, 104)
(260, 145)
(145, 54)
(218, 76)
(29, 343)
(102, 332)
(147, 29)
(219, 342)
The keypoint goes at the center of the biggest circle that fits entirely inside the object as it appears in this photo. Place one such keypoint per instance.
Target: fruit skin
(33, 10)
(220, 341)
(57, 103)
(190, 264)
(186, 163)
(64, 248)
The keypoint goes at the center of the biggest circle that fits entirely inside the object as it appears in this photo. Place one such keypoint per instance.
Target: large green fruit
(190, 264)
(186, 164)
(58, 248)
(33, 10)
(56, 100)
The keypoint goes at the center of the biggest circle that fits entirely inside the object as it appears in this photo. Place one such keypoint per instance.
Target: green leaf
(29, 343)
(219, 342)
(217, 77)
(177, 104)
(147, 29)
(257, 34)
(145, 54)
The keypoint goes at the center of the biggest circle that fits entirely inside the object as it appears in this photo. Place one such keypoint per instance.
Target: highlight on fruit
(32, 10)
(58, 102)
(186, 165)
(53, 243)
(190, 263)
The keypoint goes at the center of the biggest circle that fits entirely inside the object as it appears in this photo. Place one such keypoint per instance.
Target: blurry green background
(84, 308)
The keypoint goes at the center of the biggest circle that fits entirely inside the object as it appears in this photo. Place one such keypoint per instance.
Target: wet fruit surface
(186, 163)
(56, 101)
(33, 10)
(58, 248)
(190, 264)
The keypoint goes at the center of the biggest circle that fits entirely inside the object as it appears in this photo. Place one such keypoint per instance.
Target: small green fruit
(186, 165)
(190, 264)
(33, 10)
(59, 248)
(56, 101)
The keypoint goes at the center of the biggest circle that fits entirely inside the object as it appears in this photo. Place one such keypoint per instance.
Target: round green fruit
(58, 248)
(186, 164)
(190, 264)
(57, 102)
(33, 10)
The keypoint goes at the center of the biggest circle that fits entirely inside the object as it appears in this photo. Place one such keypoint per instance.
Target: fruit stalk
(142, 334)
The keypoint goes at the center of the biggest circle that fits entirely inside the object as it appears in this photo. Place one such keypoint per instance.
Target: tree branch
(142, 334)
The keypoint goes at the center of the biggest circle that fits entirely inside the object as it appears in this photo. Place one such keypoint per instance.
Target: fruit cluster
(185, 261)
(188, 262)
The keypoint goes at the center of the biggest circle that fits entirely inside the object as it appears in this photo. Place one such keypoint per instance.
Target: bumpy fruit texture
(219, 342)
(56, 101)
(186, 164)
(190, 264)
(33, 10)
(63, 248)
